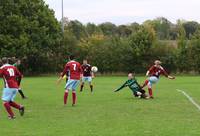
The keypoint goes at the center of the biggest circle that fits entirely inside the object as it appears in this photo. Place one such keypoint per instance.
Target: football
(94, 69)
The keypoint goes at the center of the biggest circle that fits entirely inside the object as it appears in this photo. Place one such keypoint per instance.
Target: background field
(105, 113)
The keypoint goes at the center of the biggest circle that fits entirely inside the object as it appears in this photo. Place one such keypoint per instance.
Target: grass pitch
(105, 113)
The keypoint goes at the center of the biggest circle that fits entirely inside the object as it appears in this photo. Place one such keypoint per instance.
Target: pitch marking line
(189, 98)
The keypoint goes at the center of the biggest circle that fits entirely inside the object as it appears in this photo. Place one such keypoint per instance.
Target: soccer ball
(94, 69)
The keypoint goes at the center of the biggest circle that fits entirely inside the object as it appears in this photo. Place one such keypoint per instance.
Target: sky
(126, 11)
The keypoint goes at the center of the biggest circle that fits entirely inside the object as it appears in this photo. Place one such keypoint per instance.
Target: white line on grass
(189, 98)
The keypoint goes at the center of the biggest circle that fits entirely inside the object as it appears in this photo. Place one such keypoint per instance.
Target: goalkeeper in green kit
(134, 86)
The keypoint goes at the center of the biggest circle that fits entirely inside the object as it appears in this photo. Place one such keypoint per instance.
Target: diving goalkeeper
(134, 86)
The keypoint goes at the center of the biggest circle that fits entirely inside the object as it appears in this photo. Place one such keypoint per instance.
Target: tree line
(30, 31)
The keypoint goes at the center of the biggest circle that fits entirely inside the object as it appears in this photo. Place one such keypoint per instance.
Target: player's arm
(148, 72)
(1, 72)
(166, 74)
(124, 85)
(63, 74)
(81, 71)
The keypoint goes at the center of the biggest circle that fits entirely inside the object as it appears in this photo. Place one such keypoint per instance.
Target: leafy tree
(190, 28)
(29, 29)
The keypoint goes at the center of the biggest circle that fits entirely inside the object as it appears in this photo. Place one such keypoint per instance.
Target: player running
(87, 75)
(134, 86)
(9, 74)
(17, 64)
(154, 73)
(75, 71)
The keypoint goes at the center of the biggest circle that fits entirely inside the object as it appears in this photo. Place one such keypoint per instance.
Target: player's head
(85, 61)
(130, 75)
(157, 62)
(18, 61)
(11, 60)
(71, 57)
(4, 60)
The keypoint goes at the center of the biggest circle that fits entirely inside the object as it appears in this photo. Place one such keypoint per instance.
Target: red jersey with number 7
(9, 74)
(74, 69)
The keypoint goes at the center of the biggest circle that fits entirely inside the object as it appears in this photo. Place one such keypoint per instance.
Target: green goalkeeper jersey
(132, 84)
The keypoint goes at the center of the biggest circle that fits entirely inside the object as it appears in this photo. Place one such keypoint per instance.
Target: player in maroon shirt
(74, 71)
(154, 73)
(87, 75)
(9, 74)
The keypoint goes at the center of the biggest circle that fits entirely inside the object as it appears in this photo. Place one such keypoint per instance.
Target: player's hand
(93, 76)
(59, 80)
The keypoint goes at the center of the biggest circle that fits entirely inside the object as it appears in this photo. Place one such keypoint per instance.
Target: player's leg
(6, 97)
(90, 83)
(75, 84)
(21, 93)
(67, 88)
(143, 94)
(82, 84)
(20, 90)
(152, 80)
(14, 104)
(145, 83)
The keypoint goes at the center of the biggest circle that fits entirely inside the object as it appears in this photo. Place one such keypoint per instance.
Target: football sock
(21, 93)
(8, 109)
(145, 83)
(15, 105)
(150, 92)
(91, 87)
(65, 97)
(74, 98)
(81, 88)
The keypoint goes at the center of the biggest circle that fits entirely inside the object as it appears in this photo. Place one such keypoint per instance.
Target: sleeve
(124, 85)
(65, 70)
(151, 69)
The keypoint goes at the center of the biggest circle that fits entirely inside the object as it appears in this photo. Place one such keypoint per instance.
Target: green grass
(105, 113)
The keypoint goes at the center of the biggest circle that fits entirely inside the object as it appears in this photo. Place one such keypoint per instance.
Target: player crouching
(134, 86)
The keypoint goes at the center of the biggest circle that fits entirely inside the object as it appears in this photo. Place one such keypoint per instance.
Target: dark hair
(11, 60)
(4, 60)
(71, 57)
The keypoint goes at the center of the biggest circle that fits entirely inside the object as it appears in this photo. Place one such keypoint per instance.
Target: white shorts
(71, 84)
(152, 80)
(87, 79)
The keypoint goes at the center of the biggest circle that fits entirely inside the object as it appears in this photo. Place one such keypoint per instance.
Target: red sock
(150, 92)
(145, 83)
(74, 97)
(65, 97)
(8, 109)
(15, 105)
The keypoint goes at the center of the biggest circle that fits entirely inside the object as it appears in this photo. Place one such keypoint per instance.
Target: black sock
(21, 93)
(91, 87)
(81, 88)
